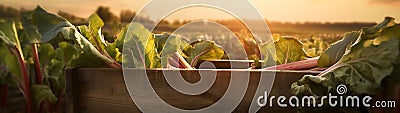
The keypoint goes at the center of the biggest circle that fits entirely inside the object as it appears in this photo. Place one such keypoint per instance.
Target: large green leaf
(8, 42)
(363, 66)
(287, 50)
(46, 53)
(42, 93)
(8, 34)
(140, 47)
(43, 26)
(167, 45)
(95, 24)
(335, 52)
(93, 32)
(54, 74)
(89, 49)
(361, 70)
(50, 25)
(52, 64)
(92, 41)
(69, 51)
(202, 50)
(87, 59)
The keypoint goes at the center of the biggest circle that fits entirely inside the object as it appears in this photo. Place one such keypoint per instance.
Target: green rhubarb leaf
(90, 49)
(46, 53)
(50, 25)
(373, 32)
(114, 52)
(54, 68)
(54, 74)
(53, 64)
(311, 52)
(68, 51)
(95, 25)
(42, 93)
(287, 50)
(87, 59)
(167, 45)
(96, 43)
(119, 42)
(161, 39)
(93, 32)
(8, 34)
(6, 76)
(9, 60)
(361, 70)
(202, 50)
(43, 26)
(335, 52)
(140, 47)
(363, 66)
(115, 48)
(8, 42)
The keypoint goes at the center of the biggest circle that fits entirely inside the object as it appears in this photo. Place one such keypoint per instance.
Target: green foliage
(53, 36)
(335, 52)
(9, 39)
(8, 34)
(142, 44)
(43, 26)
(315, 46)
(202, 50)
(284, 50)
(363, 66)
(42, 93)
(94, 46)
(167, 45)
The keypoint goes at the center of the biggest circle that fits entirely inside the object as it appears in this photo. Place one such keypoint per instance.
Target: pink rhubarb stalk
(299, 65)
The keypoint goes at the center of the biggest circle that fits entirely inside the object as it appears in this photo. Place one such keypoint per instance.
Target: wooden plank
(93, 90)
(72, 102)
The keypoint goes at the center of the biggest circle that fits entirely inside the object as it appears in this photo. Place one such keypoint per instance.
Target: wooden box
(95, 90)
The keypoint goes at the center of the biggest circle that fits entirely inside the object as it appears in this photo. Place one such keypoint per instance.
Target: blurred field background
(312, 34)
(325, 30)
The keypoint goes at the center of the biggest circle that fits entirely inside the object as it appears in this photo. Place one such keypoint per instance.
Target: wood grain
(102, 90)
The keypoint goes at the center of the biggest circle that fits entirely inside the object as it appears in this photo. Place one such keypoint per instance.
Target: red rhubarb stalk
(173, 62)
(299, 65)
(38, 71)
(182, 61)
(26, 86)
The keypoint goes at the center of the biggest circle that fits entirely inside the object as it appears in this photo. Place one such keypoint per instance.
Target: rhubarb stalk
(26, 86)
(38, 71)
(299, 65)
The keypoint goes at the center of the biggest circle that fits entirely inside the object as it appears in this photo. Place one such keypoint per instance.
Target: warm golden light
(275, 10)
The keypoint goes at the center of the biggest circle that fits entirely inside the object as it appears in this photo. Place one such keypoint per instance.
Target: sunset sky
(275, 10)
